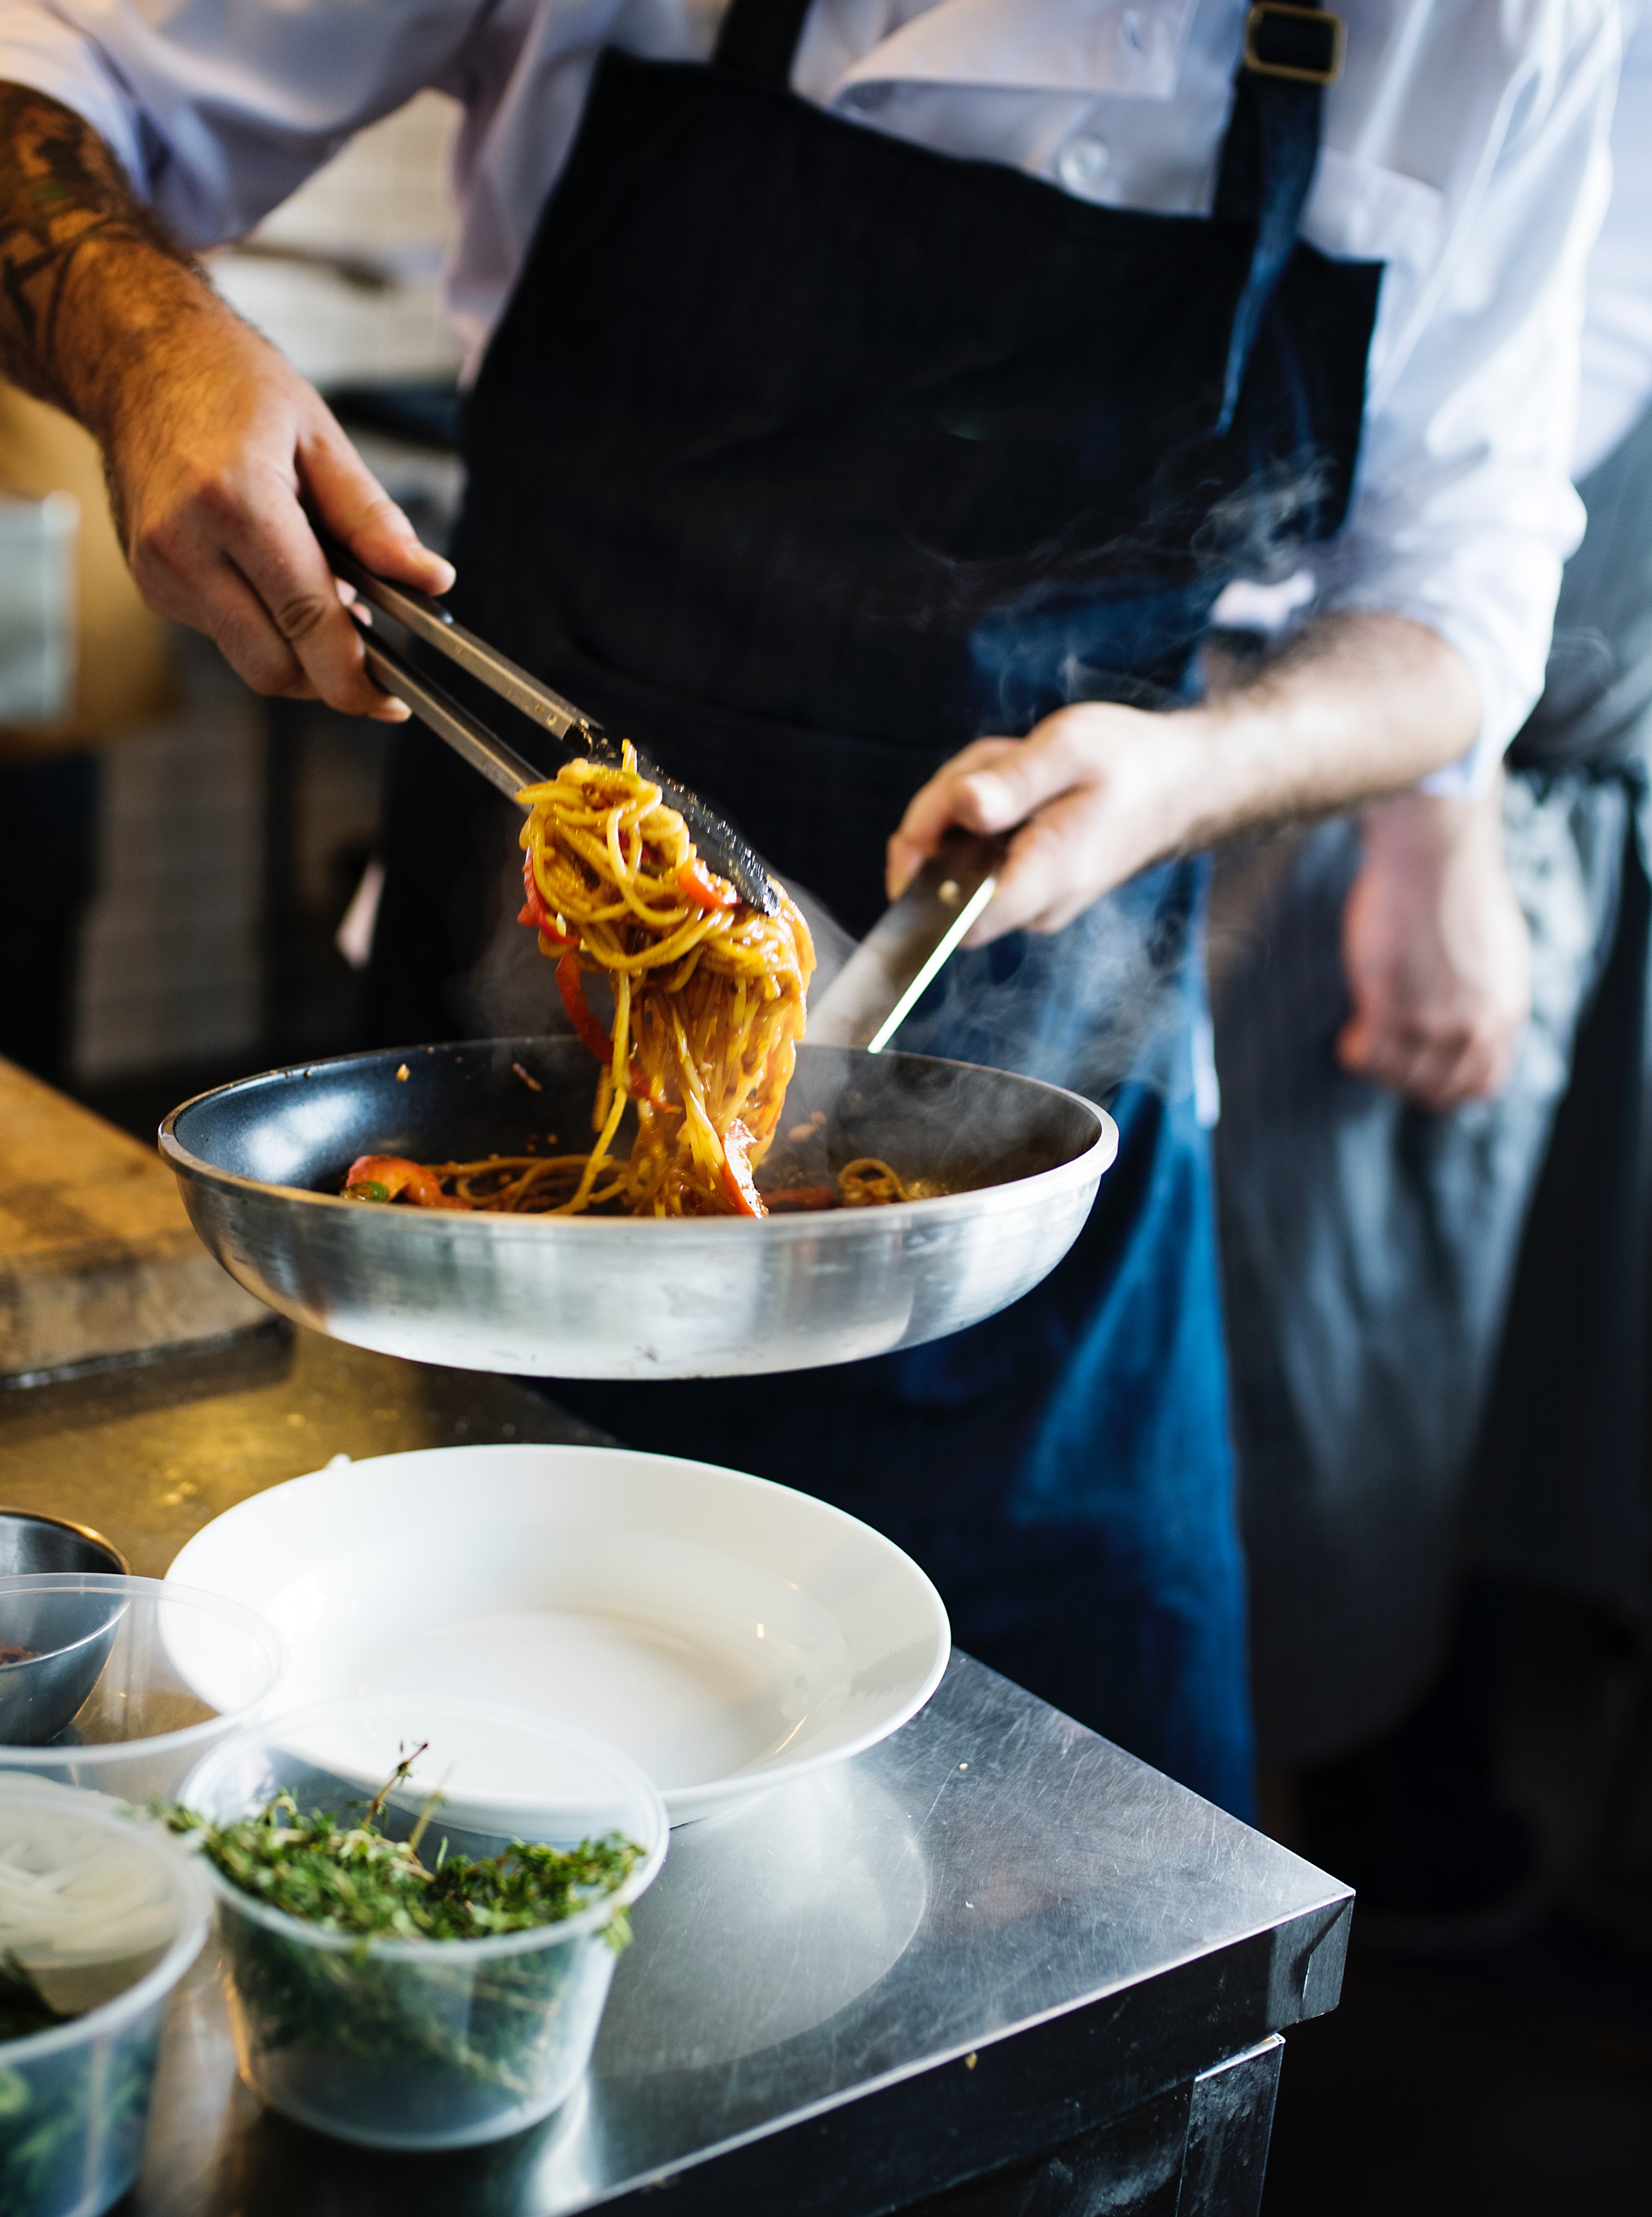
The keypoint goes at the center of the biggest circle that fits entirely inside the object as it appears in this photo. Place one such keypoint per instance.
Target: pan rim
(1081, 1169)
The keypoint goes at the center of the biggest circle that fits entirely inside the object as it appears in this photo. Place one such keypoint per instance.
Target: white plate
(726, 1632)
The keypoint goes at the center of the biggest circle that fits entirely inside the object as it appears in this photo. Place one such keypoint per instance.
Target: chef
(872, 399)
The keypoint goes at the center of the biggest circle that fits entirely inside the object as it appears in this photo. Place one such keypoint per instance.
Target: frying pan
(260, 1162)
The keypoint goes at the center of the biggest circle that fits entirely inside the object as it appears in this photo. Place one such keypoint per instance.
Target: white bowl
(726, 1632)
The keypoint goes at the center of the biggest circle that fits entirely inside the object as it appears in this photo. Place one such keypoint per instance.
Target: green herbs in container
(420, 1901)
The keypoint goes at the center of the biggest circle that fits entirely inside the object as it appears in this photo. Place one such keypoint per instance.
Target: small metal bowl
(71, 1633)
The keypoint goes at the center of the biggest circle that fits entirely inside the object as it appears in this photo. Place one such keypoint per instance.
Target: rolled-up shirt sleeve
(1464, 511)
(40, 49)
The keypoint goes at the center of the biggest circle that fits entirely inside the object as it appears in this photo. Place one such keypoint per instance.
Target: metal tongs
(577, 734)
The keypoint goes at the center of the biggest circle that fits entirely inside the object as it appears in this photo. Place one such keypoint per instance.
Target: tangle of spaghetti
(708, 1006)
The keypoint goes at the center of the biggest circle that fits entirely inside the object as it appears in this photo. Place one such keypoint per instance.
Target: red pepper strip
(394, 1173)
(573, 990)
(534, 909)
(786, 1199)
(696, 883)
(736, 1171)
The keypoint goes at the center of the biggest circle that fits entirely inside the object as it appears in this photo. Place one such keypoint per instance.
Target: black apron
(805, 455)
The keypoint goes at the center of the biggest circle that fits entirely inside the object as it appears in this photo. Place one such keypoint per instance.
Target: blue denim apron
(806, 455)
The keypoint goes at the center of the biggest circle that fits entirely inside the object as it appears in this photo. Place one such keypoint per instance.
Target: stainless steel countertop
(991, 1932)
(148, 1452)
(867, 1949)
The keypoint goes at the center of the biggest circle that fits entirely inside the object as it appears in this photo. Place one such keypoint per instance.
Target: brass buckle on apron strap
(1303, 44)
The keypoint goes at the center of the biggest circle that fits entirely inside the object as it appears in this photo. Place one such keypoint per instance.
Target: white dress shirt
(1617, 310)
(1464, 146)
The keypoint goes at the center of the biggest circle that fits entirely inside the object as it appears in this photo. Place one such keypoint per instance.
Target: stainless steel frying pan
(260, 1164)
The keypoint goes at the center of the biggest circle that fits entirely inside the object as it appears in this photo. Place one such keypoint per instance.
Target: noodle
(708, 993)
(709, 1005)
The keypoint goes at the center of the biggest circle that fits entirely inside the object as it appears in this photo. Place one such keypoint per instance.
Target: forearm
(220, 458)
(1361, 706)
(92, 292)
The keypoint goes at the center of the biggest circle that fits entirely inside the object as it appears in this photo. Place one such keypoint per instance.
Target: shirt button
(1085, 165)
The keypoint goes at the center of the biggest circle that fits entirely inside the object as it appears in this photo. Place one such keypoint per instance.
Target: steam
(1105, 1000)
(1110, 997)
(1081, 617)
(1089, 617)
(1258, 533)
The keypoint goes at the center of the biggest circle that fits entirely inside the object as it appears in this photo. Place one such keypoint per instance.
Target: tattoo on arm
(64, 198)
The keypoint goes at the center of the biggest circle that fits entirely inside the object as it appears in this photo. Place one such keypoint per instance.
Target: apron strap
(1268, 159)
(758, 39)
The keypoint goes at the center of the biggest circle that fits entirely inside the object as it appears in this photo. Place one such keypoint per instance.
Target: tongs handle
(434, 705)
(730, 855)
(428, 619)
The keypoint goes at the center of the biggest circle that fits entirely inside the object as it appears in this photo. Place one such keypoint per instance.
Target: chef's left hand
(1096, 790)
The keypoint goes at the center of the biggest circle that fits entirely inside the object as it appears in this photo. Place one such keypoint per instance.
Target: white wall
(169, 968)
(384, 198)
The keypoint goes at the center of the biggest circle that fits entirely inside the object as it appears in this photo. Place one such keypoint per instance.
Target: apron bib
(805, 455)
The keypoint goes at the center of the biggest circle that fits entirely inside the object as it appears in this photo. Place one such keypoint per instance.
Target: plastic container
(424, 2043)
(134, 1680)
(74, 2100)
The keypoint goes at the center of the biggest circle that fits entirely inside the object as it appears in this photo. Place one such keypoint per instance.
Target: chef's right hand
(213, 445)
(213, 456)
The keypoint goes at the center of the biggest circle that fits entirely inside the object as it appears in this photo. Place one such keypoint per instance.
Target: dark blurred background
(1514, 2077)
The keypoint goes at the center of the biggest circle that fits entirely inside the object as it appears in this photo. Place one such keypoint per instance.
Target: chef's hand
(212, 441)
(211, 472)
(1094, 790)
(1436, 952)
(1361, 703)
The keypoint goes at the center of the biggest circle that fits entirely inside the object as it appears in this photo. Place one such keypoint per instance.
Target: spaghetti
(708, 998)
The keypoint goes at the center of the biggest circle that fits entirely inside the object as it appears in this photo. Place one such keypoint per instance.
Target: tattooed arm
(212, 441)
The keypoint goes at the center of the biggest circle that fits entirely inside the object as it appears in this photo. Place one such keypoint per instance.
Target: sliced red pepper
(534, 909)
(390, 1175)
(696, 883)
(736, 1171)
(783, 1200)
(571, 988)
